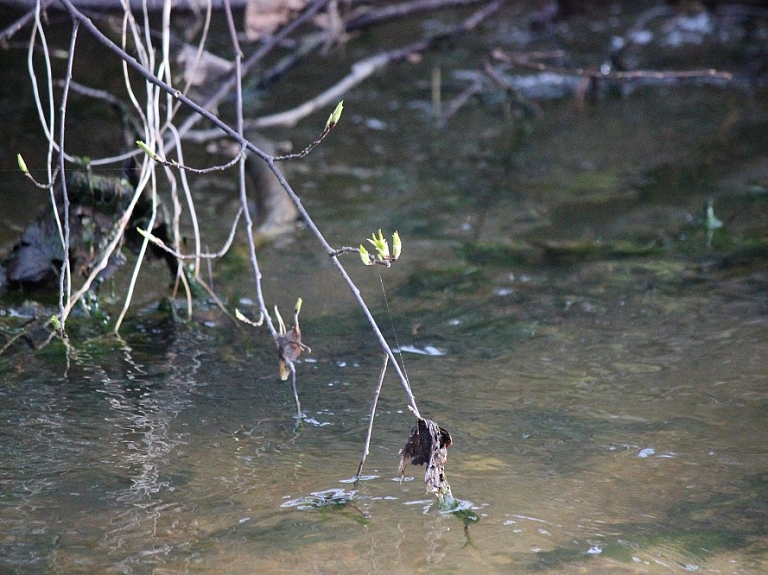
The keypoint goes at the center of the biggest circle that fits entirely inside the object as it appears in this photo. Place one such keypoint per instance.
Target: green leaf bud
(380, 243)
(365, 256)
(146, 149)
(22, 164)
(397, 246)
(333, 119)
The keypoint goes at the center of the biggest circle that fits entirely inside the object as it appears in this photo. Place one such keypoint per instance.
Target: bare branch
(159, 243)
(402, 10)
(65, 277)
(246, 66)
(8, 33)
(531, 62)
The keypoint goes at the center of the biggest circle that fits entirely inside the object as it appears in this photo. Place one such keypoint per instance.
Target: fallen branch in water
(360, 71)
(532, 62)
(395, 11)
(367, 67)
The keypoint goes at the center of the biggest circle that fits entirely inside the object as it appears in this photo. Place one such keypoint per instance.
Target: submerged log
(96, 205)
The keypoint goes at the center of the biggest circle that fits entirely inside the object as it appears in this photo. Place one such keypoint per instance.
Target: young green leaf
(365, 256)
(333, 119)
(397, 246)
(380, 243)
(146, 149)
(22, 164)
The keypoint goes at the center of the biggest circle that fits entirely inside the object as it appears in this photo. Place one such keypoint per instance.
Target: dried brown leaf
(289, 349)
(428, 444)
(289, 346)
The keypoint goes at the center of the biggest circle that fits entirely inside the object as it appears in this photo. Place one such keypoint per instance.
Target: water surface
(599, 362)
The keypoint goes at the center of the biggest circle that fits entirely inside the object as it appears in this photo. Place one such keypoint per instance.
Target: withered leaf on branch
(428, 444)
(289, 346)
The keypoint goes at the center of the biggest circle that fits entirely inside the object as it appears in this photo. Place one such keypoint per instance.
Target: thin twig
(21, 333)
(139, 258)
(206, 256)
(190, 205)
(299, 414)
(216, 299)
(6, 34)
(65, 277)
(48, 128)
(42, 186)
(517, 98)
(200, 50)
(244, 203)
(366, 448)
(458, 102)
(182, 166)
(303, 153)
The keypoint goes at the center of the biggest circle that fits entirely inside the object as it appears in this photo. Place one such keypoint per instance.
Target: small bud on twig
(22, 164)
(147, 150)
(397, 246)
(365, 256)
(382, 248)
(333, 119)
(58, 327)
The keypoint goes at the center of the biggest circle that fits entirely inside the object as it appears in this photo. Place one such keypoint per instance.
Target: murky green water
(598, 361)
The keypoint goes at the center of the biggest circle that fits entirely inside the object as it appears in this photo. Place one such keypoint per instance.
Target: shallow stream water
(599, 361)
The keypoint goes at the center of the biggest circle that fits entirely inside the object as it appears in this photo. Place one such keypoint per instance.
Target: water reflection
(144, 407)
(98, 442)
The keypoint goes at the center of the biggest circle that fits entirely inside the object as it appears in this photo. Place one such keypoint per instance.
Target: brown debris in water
(428, 444)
